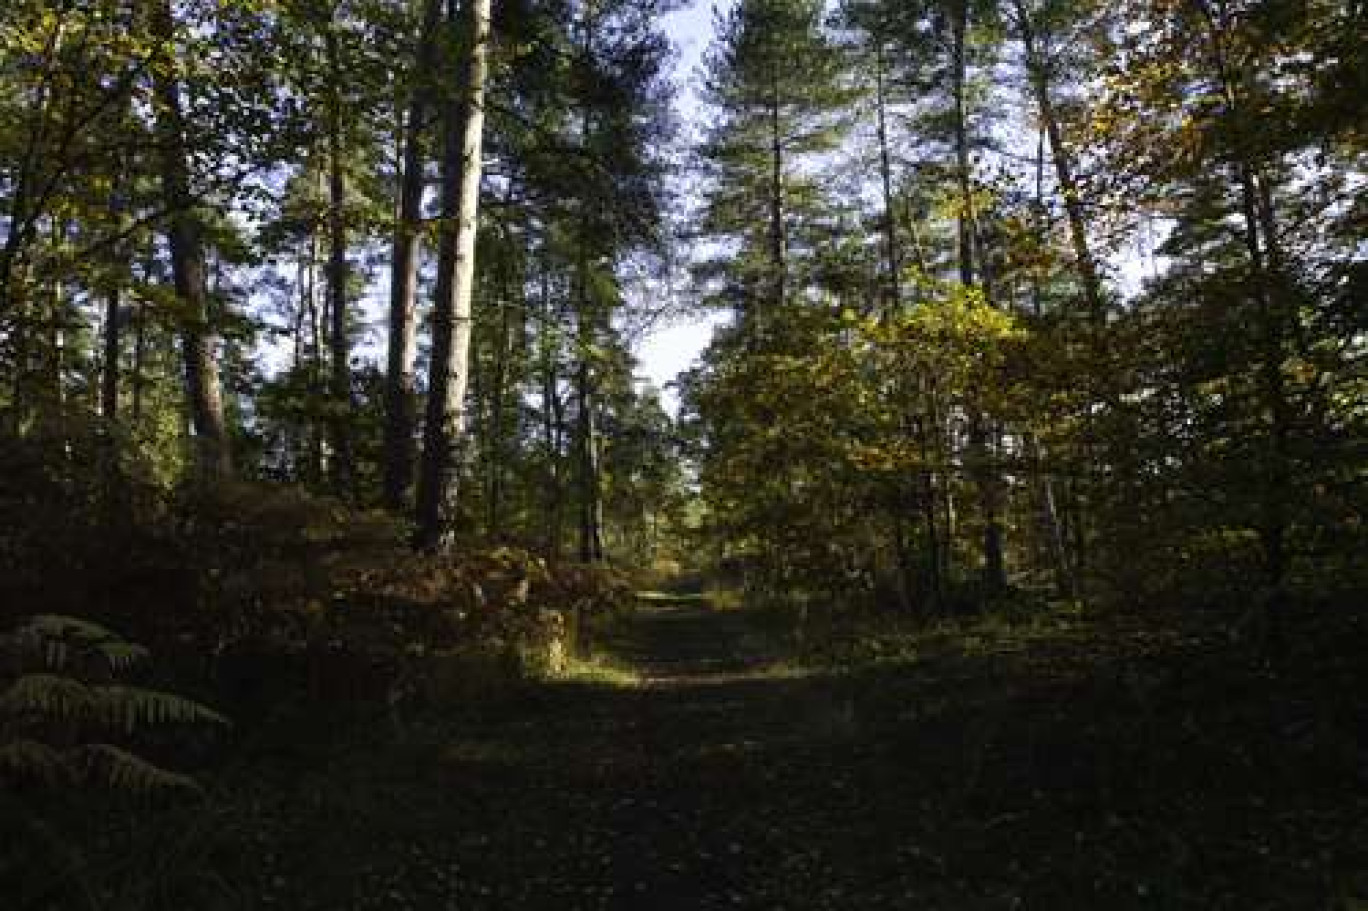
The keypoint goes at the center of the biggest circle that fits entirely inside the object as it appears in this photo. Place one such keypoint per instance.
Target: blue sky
(667, 351)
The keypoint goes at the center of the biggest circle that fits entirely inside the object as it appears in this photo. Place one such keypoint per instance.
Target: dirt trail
(1024, 779)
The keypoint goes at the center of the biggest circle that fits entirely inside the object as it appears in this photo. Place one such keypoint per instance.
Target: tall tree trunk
(343, 408)
(401, 390)
(109, 374)
(591, 487)
(1269, 287)
(892, 251)
(138, 380)
(777, 230)
(497, 395)
(982, 448)
(317, 454)
(553, 418)
(553, 410)
(1038, 70)
(188, 268)
(450, 369)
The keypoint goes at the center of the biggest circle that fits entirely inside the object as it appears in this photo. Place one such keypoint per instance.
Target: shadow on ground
(1094, 768)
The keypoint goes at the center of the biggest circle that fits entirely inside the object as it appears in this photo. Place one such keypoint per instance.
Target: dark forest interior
(1003, 547)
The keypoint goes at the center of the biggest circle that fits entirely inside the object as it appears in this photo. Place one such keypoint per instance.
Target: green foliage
(59, 696)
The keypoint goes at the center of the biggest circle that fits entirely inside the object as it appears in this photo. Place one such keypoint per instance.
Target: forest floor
(1060, 764)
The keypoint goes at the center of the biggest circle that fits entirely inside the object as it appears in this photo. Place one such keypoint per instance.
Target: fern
(50, 696)
(125, 771)
(32, 759)
(55, 700)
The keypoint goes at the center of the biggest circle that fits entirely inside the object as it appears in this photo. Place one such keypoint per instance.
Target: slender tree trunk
(497, 395)
(891, 247)
(401, 389)
(138, 380)
(55, 362)
(777, 230)
(587, 431)
(1038, 70)
(450, 370)
(188, 267)
(343, 408)
(591, 489)
(317, 457)
(553, 419)
(554, 408)
(109, 375)
(1269, 287)
(994, 562)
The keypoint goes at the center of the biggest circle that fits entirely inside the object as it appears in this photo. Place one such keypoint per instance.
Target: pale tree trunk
(401, 390)
(450, 369)
(188, 268)
(343, 407)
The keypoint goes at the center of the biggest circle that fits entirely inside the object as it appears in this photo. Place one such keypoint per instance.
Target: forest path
(682, 641)
(719, 780)
(1084, 768)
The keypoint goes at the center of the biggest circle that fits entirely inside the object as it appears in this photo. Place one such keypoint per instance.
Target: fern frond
(124, 771)
(54, 636)
(130, 707)
(121, 655)
(50, 697)
(55, 654)
(59, 626)
(47, 696)
(30, 759)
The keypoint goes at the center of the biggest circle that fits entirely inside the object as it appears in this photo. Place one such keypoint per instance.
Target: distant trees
(237, 182)
(1063, 296)
(1087, 344)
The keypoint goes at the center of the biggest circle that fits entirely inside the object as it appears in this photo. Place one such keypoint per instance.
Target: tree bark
(1037, 68)
(401, 388)
(343, 408)
(1269, 287)
(890, 226)
(777, 230)
(591, 488)
(989, 485)
(188, 267)
(451, 318)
